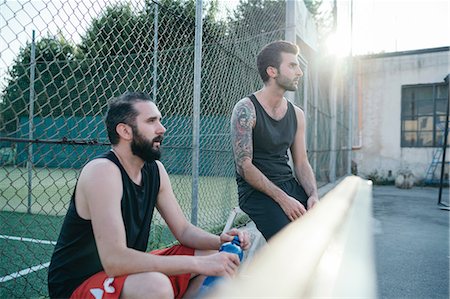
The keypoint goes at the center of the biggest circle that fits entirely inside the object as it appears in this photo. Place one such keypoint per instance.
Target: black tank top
(75, 257)
(271, 140)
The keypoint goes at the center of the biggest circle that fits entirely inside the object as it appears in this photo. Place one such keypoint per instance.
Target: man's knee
(147, 285)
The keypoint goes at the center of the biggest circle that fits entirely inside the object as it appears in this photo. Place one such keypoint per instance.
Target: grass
(50, 195)
(33, 285)
(19, 255)
(52, 189)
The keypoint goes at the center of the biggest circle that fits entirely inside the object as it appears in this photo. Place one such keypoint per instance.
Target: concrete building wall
(379, 80)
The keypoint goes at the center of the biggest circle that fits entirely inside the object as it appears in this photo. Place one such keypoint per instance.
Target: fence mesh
(60, 62)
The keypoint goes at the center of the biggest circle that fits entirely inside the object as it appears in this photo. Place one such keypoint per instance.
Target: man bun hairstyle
(121, 110)
(270, 55)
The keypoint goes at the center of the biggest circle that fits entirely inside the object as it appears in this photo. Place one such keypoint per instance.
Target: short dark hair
(121, 110)
(270, 55)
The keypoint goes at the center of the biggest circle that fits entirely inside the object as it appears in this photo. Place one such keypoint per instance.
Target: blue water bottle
(232, 247)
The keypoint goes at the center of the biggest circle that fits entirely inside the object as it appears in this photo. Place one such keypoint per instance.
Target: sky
(18, 18)
(378, 25)
(393, 25)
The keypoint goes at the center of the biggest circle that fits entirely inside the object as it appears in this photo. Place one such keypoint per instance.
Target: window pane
(410, 124)
(425, 138)
(425, 123)
(442, 91)
(408, 107)
(409, 139)
(440, 138)
(408, 92)
(425, 107)
(441, 106)
(440, 123)
(440, 129)
(423, 93)
(418, 92)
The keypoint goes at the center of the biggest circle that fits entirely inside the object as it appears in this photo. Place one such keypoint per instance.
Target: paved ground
(411, 243)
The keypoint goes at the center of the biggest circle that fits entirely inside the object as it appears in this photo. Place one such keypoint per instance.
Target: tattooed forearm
(242, 122)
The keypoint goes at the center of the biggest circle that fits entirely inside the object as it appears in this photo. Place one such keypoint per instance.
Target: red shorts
(100, 286)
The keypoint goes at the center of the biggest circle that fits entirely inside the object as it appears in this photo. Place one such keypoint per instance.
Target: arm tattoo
(242, 122)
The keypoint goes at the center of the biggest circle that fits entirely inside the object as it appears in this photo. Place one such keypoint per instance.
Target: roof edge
(403, 53)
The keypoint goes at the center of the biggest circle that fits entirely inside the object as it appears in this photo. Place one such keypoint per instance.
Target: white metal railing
(328, 253)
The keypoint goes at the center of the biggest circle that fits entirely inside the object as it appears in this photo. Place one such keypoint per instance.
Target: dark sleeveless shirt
(75, 257)
(271, 140)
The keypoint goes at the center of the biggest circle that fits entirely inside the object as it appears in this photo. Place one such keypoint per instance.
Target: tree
(251, 25)
(323, 17)
(256, 17)
(114, 55)
(119, 50)
(313, 6)
(56, 73)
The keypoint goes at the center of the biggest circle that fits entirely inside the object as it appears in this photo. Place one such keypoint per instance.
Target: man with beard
(100, 251)
(264, 126)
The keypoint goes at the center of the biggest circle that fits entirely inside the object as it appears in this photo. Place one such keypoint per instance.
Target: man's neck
(131, 163)
(271, 96)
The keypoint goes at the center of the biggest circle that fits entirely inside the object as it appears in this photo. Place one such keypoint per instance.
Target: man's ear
(272, 72)
(124, 131)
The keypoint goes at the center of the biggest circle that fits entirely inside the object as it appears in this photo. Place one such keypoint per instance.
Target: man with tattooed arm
(264, 126)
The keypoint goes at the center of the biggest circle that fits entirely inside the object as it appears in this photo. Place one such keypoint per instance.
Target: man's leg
(294, 189)
(194, 286)
(147, 285)
(189, 282)
(268, 216)
(196, 280)
(140, 285)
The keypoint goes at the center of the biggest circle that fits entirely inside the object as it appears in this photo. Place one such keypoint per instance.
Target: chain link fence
(60, 62)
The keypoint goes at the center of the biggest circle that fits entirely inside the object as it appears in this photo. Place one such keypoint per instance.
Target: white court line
(24, 272)
(27, 270)
(27, 240)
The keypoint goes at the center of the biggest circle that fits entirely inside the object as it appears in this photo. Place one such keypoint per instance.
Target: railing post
(196, 110)
(31, 120)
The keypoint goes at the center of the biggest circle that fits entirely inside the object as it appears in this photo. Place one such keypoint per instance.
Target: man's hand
(292, 208)
(219, 264)
(243, 237)
(312, 201)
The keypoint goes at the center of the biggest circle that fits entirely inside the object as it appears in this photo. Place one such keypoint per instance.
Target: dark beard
(288, 87)
(286, 84)
(143, 148)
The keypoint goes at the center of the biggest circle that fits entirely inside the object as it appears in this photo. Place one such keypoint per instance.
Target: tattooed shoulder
(244, 114)
(242, 123)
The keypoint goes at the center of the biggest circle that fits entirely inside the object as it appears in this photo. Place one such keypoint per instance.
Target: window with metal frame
(423, 114)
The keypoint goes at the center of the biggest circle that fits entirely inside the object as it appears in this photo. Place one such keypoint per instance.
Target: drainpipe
(358, 145)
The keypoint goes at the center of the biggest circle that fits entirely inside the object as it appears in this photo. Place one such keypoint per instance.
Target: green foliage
(322, 13)
(56, 74)
(313, 6)
(117, 57)
(253, 24)
(116, 54)
(379, 179)
(119, 31)
(250, 12)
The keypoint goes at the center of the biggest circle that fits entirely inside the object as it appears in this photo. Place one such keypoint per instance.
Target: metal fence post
(290, 35)
(30, 120)
(333, 128)
(155, 53)
(316, 121)
(351, 95)
(196, 110)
